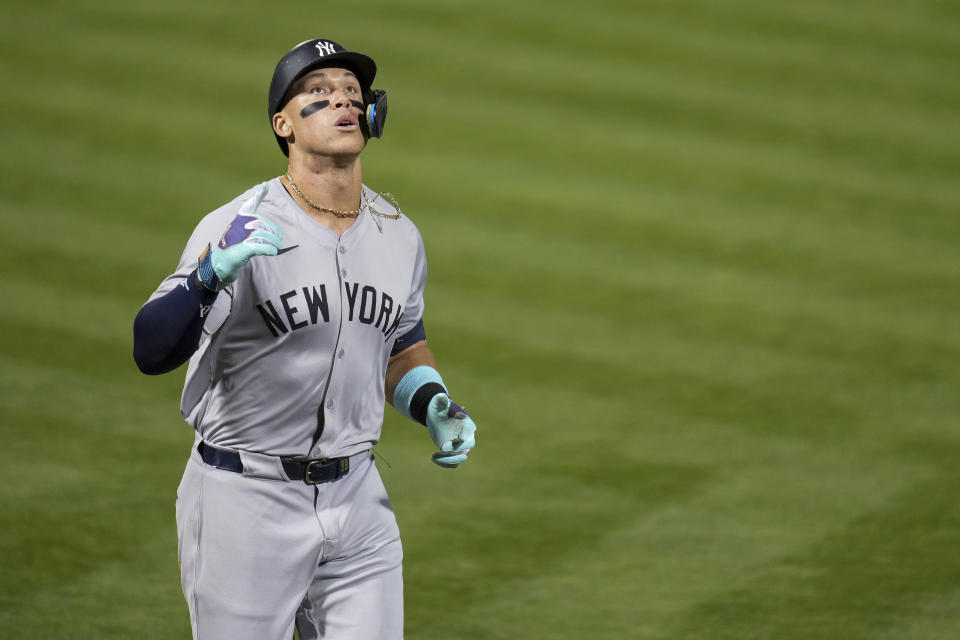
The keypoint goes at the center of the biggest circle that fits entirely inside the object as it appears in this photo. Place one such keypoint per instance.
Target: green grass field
(694, 270)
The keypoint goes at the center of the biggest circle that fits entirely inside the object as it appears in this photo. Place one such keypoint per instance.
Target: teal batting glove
(248, 235)
(451, 429)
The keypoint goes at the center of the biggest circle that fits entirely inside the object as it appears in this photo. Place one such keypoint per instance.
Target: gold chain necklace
(337, 212)
(386, 196)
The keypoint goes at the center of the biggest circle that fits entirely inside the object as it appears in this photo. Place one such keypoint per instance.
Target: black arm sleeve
(167, 330)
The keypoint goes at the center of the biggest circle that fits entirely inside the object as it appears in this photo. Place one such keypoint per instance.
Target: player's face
(331, 129)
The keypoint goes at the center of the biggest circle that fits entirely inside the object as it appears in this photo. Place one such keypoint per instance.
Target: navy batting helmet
(316, 53)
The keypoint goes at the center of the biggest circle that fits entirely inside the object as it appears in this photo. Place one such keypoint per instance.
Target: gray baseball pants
(260, 553)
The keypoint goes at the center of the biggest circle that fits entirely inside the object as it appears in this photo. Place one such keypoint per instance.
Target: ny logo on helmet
(325, 48)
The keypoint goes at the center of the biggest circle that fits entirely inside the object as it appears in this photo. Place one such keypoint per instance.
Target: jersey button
(340, 355)
(343, 250)
(330, 404)
(343, 272)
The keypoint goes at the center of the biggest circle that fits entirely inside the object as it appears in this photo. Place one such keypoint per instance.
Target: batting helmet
(320, 52)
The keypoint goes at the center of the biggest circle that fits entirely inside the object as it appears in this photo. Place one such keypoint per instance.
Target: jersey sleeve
(410, 329)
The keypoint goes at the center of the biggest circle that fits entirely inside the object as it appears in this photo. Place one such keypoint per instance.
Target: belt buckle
(306, 472)
(343, 466)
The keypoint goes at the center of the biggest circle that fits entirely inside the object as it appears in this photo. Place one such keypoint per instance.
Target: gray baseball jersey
(299, 344)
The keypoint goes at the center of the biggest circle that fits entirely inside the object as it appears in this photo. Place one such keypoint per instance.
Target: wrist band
(206, 274)
(415, 391)
(195, 285)
(421, 401)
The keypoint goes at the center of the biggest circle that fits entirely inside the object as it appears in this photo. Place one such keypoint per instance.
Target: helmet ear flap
(376, 114)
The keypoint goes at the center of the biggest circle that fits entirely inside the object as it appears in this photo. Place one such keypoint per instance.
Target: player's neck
(328, 182)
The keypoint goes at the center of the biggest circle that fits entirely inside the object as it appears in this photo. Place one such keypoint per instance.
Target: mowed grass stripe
(857, 356)
(808, 410)
(653, 358)
(75, 440)
(889, 26)
(609, 280)
(678, 55)
(756, 391)
(934, 617)
(132, 404)
(742, 368)
(84, 275)
(648, 425)
(77, 314)
(855, 578)
(163, 195)
(613, 34)
(921, 29)
(79, 277)
(94, 364)
(186, 57)
(672, 557)
(701, 223)
(183, 29)
(906, 73)
(883, 137)
(708, 125)
(149, 59)
(86, 566)
(178, 132)
(757, 347)
(592, 205)
(559, 514)
(167, 129)
(187, 60)
(779, 336)
(700, 230)
(750, 153)
(679, 157)
(805, 480)
(794, 324)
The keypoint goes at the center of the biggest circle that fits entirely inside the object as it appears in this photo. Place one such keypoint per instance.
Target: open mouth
(347, 123)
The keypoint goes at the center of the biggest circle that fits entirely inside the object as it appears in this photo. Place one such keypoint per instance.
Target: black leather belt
(309, 471)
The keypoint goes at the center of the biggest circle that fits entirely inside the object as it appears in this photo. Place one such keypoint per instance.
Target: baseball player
(299, 306)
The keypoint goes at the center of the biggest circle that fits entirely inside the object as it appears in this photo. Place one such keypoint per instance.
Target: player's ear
(281, 126)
